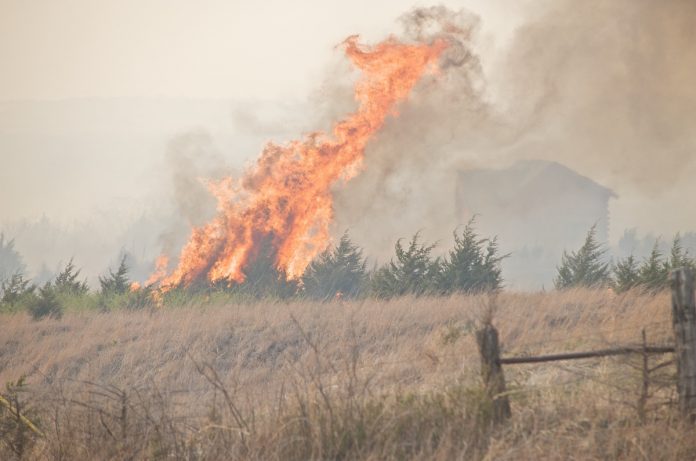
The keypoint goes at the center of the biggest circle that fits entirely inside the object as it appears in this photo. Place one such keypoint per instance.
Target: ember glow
(285, 198)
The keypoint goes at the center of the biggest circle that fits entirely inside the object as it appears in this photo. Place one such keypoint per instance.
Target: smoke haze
(603, 87)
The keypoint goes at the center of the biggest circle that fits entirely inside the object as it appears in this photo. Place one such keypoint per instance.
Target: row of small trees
(341, 271)
(472, 265)
(589, 267)
(49, 299)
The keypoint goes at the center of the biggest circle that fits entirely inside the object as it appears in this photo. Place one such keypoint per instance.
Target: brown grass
(354, 380)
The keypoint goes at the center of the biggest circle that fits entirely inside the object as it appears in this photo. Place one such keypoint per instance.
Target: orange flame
(285, 198)
(160, 270)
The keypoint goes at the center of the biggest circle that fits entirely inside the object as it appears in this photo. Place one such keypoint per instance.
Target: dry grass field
(345, 380)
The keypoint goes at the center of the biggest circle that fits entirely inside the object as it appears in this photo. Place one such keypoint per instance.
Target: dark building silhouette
(537, 209)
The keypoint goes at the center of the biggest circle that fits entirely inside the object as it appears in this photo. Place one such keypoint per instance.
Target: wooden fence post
(684, 324)
(645, 389)
(492, 372)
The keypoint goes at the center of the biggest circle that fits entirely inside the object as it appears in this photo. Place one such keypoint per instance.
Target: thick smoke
(604, 87)
(192, 161)
(407, 183)
(607, 87)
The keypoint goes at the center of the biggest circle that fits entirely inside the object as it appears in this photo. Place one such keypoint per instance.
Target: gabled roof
(531, 177)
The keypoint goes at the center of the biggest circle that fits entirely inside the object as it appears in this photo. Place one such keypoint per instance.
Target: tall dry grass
(353, 380)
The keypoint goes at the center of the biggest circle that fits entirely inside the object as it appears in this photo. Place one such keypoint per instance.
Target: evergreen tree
(626, 274)
(585, 267)
(10, 260)
(67, 283)
(679, 257)
(413, 271)
(15, 292)
(340, 270)
(473, 265)
(46, 304)
(262, 278)
(653, 273)
(116, 283)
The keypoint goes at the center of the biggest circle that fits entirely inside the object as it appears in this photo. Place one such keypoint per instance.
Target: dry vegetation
(356, 380)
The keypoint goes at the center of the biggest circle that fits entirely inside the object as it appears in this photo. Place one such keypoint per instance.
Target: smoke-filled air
(284, 201)
(347, 230)
(522, 94)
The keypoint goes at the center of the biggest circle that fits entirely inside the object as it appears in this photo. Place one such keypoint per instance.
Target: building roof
(531, 177)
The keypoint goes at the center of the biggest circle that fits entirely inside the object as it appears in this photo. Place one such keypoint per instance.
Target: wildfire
(160, 270)
(284, 200)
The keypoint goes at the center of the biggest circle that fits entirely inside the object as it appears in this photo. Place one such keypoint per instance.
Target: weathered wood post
(492, 372)
(645, 389)
(684, 324)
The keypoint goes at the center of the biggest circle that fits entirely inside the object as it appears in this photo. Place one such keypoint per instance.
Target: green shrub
(116, 283)
(413, 272)
(653, 273)
(67, 281)
(585, 267)
(473, 265)
(262, 277)
(17, 293)
(679, 257)
(338, 270)
(626, 274)
(46, 304)
(131, 300)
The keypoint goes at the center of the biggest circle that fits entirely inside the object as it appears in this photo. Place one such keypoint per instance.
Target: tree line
(590, 267)
(69, 289)
(340, 272)
(472, 265)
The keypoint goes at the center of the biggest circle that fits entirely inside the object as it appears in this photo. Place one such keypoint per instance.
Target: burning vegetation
(282, 207)
(97, 373)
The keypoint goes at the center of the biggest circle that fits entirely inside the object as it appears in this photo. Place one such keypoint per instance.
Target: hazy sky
(106, 106)
(196, 49)
(67, 160)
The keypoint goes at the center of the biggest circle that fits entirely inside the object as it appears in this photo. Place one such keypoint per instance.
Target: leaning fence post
(492, 372)
(684, 324)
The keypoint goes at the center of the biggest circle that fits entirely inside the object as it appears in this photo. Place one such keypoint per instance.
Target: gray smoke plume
(603, 87)
(407, 183)
(607, 87)
(192, 161)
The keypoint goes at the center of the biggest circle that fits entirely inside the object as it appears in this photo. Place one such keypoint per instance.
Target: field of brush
(344, 380)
